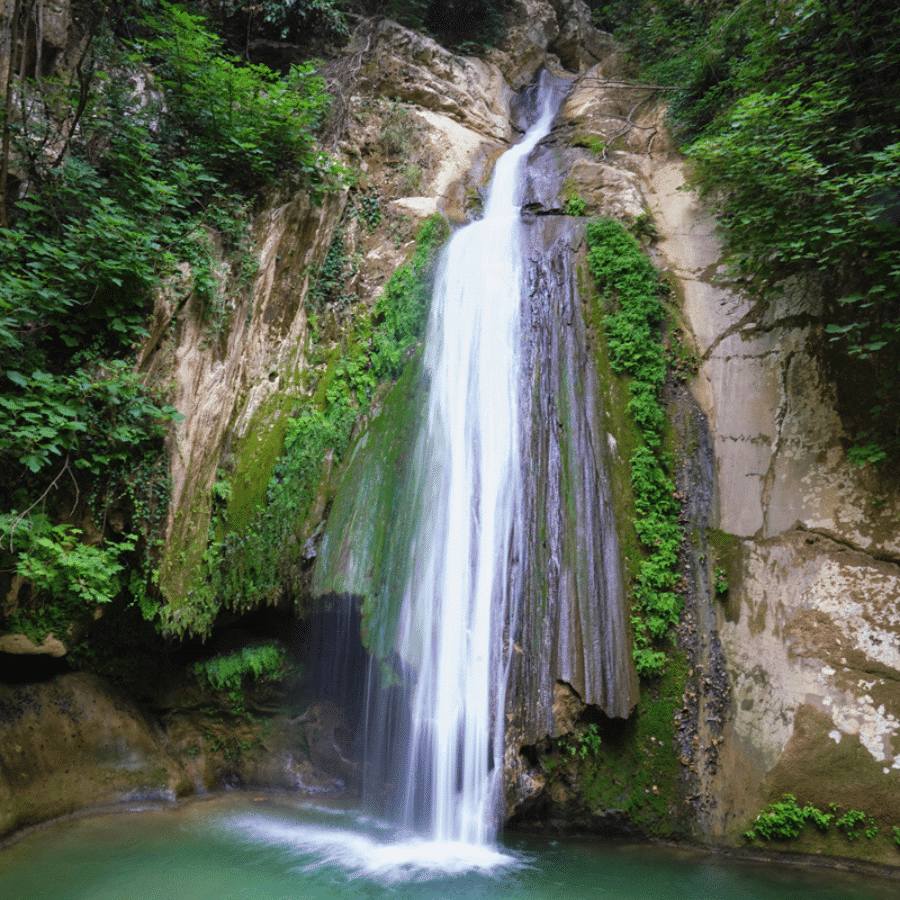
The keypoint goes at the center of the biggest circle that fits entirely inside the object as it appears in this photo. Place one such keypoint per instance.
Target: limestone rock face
(236, 385)
(74, 743)
(810, 628)
(792, 685)
(232, 386)
(31, 55)
(814, 643)
(607, 109)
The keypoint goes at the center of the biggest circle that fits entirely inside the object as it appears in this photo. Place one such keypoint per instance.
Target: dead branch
(21, 516)
(342, 77)
(631, 85)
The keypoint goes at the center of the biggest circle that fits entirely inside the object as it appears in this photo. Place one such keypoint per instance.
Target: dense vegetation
(114, 175)
(629, 289)
(788, 111)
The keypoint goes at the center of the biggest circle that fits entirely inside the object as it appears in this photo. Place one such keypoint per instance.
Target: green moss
(727, 548)
(256, 455)
(371, 522)
(592, 142)
(635, 767)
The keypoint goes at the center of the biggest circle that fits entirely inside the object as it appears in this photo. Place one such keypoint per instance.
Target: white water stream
(468, 459)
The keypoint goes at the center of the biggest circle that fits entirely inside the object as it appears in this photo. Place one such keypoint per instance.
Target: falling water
(469, 492)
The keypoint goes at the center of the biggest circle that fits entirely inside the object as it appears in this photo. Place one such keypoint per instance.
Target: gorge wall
(789, 674)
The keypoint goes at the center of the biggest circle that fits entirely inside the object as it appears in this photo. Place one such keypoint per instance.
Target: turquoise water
(269, 849)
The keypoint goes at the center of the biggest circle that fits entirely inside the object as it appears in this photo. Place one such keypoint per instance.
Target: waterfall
(473, 526)
(469, 493)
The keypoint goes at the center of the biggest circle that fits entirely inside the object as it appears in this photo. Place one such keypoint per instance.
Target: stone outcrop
(404, 65)
(74, 743)
(22, 645)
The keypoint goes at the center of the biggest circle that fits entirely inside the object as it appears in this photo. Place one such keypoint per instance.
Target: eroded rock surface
(809, 628)
(74, 743)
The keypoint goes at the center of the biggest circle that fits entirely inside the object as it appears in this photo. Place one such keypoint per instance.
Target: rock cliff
(792, 555)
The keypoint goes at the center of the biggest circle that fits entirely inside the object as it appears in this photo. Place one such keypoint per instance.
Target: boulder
(76, 742)
(22, 645)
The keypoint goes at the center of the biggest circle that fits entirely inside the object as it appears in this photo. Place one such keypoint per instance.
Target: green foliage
(368, 210)
(636, 768)
(896, 830)
(627, 280)
(644, 226)
(73, 576)
(583, 745)
(781, 820)
(784, 819)
(295, 20)
(95, 419)
(231, 748)
(411, 178)
(402, 309)
(590, 142)
(467, 25)
(573, 203)
(575, 206)
(853, 823)
(240, 121)
(787, 112)
(328, 285)
(720, 583)
(231, 671)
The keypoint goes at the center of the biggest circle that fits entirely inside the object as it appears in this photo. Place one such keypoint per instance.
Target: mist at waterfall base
(246, 848)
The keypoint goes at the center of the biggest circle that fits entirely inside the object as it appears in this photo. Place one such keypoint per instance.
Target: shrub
(785, 819)
(230, 671)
